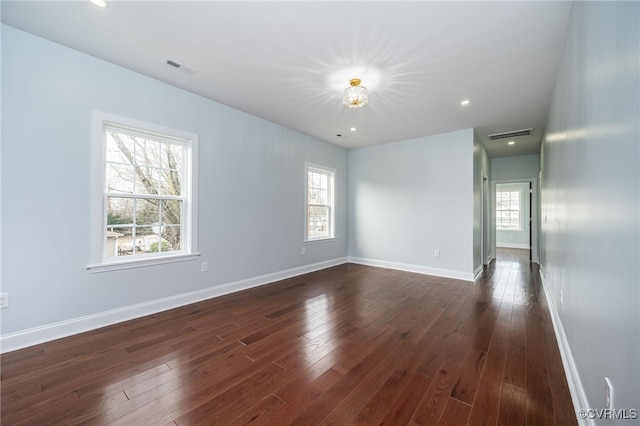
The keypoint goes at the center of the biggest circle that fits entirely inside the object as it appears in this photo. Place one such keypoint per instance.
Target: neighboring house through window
(144, 193)
(319, 218)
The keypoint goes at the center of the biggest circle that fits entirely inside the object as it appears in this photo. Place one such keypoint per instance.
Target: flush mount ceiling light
(355, 96)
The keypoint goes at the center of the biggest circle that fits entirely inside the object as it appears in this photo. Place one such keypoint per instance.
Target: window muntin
(320, 203)
(144, 186)
(143, 193)
(508, 210)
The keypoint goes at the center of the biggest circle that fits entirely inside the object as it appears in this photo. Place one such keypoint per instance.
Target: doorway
(515, 216)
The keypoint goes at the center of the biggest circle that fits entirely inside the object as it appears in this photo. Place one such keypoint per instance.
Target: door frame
(486, 255)
(534, 207)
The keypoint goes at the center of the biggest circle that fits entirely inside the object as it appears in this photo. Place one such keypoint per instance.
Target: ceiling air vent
(180, 67)
(523, 132)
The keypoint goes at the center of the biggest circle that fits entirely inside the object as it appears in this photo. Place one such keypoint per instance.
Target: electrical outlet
(436, 253)
(4, 300)
(608, 394)
(303, 251)
(204, 267)
(561, 296)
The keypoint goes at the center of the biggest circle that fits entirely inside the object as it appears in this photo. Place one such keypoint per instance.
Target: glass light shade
(355, 96)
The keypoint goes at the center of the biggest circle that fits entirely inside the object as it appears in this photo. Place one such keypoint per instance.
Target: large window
(144, 206)
(508, 209)
(320, 202)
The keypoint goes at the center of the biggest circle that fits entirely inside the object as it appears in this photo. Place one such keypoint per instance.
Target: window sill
(320, 240)
(137, 263)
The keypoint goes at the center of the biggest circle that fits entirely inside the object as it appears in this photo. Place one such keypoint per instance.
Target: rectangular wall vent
(180, 67)
(515, 133)
(173, 64)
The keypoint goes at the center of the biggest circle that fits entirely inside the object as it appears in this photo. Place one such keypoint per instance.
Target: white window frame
(99, 261)
(512, 188)
(331, 173)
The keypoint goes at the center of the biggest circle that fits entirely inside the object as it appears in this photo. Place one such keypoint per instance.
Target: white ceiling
(288, 62)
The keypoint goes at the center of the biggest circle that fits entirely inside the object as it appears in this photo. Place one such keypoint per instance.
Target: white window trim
(514, 188)
(308, 166)
(98, 262)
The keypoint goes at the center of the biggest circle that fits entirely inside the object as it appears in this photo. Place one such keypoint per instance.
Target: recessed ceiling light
(465, 102)
(100, 3)
(512, 142)
(353, 129)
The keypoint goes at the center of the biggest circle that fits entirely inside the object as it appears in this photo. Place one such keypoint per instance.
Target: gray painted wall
(409, 198)
(591, 199)
(251, 186)
(515, 168)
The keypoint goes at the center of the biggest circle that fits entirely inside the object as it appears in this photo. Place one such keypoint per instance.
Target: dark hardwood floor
(347, 345)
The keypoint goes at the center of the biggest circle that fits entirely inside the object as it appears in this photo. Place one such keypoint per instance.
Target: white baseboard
(34, 336)
(477, 272)
(513, 245)
(447, 273)
(578, 395)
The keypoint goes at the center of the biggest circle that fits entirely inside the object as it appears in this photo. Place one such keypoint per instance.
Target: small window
(508, 209)
(144, 204)
(320, 203)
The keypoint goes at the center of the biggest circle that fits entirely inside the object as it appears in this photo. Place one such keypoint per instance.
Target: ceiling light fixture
(465, 102)
(512, 142)
(355, 96)
(353, 129)
(100, 3)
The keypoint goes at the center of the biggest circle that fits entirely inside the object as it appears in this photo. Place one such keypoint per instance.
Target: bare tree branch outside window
(143, 193)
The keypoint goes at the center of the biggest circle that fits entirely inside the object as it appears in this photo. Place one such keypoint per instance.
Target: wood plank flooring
(347, 345)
